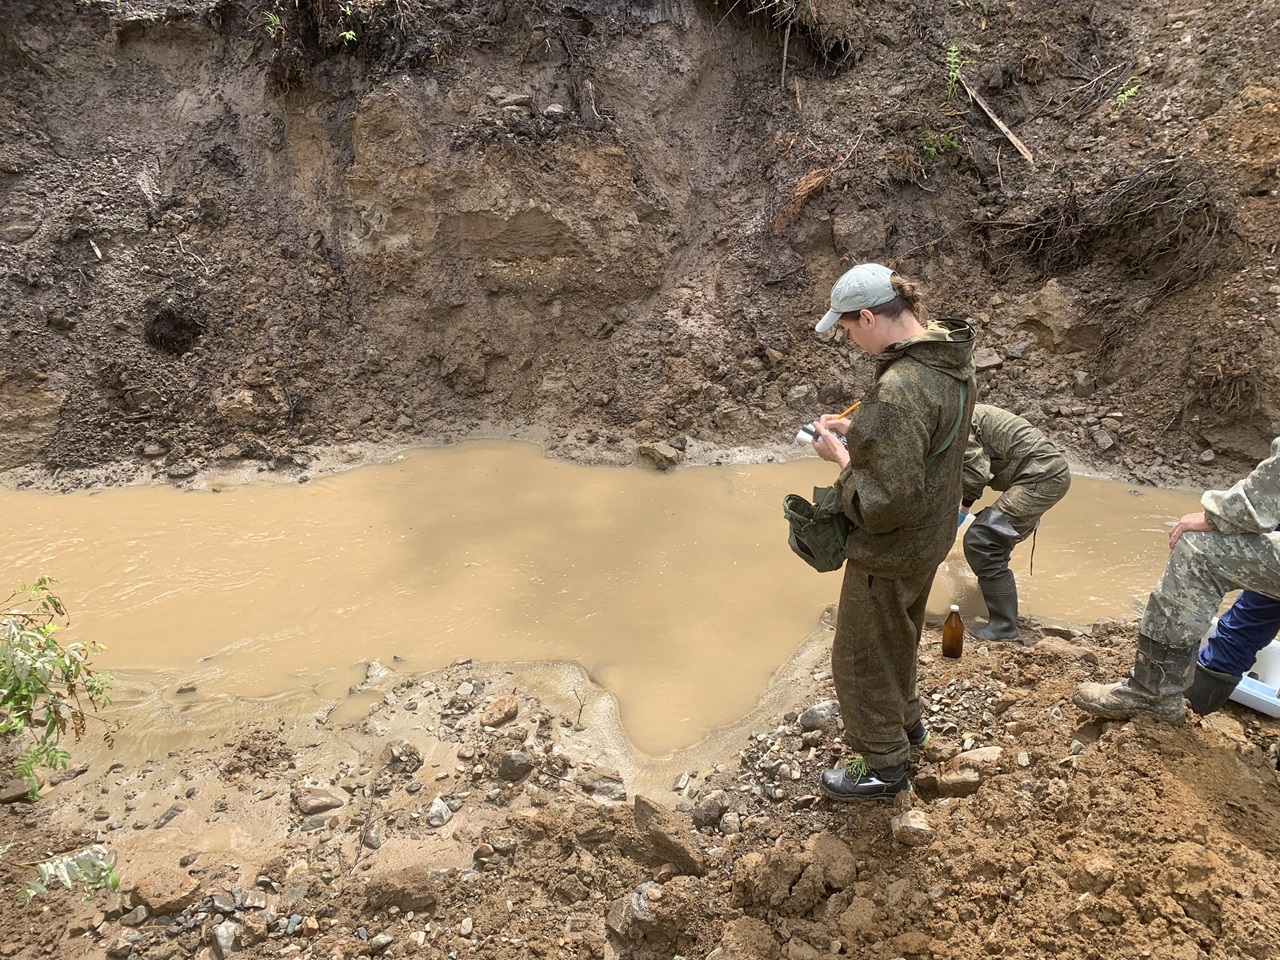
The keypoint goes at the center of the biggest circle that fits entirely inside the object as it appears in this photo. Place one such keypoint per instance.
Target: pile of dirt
(460, 819)
(246, 231)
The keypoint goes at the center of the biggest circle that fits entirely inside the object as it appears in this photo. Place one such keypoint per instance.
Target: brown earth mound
(1032, 831)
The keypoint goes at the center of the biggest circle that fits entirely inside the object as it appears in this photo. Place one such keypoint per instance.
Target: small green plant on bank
(45, 688)
(347, 21)
(1125, 94)
(91, 869)
(933, 145)
(954, 65)
(273, 25)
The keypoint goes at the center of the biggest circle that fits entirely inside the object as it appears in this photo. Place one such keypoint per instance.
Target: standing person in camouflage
(1232, 545)
(899, 484)
(1008, 454)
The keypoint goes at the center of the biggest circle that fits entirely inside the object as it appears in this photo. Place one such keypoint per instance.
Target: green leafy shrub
(91, 869)
(1126, 92)
(46, 689)
(955, 63)
(933, 145)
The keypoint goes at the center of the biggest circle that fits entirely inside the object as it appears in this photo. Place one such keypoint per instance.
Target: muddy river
(676, 592)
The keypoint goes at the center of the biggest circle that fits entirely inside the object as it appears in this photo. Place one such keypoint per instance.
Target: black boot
(1001, 596)
(987, 546)
(918, 735)
(1154, 688)
(1209, 689)
(857, 781)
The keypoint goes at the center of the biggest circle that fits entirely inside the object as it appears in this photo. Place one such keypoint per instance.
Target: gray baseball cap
(865, 286)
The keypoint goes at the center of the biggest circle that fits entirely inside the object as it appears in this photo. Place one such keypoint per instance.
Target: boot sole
(1011, 638)
(887, 793)
(1173, 719)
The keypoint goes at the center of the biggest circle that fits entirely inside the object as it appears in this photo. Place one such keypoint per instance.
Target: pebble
(813, 717)
(224, 938)
(911, 827)
(439, 814)
(466, 927)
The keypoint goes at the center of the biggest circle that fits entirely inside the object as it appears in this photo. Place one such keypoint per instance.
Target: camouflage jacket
(903, 513)
(1252, 505)
(1005, 450)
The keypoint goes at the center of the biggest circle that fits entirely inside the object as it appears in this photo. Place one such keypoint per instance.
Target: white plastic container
(1261, 694)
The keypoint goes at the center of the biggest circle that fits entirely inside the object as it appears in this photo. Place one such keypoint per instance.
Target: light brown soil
(219, 246)
(1078, 838)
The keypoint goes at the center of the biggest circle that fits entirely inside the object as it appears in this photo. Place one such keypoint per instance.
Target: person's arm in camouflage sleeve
(977, 469)
(1253, 504)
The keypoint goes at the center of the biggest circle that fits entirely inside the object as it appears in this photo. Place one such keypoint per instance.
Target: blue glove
(960, 518)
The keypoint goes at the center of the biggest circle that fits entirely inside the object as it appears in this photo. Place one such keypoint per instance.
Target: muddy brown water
(676, 592)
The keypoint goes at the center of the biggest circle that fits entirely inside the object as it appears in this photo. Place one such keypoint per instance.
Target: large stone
(223, 938)
(1103, 440)
(166, 890)
(986, 760)
(312, 800)
(668, 836)
(1067, 651)
(631, 917)
(911, 827)
(708, 811)
(514, 765)
(959, 783)
(503, 709)
(813, 717)
(15, 791)
(661, 455)
(1083, 385)
(439, 813)
(238, 406)
(987, 359)
(1057, 319)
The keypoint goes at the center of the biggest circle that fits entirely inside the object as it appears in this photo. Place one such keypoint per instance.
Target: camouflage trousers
(1025, 503)
(873, 661)
(1202, 569)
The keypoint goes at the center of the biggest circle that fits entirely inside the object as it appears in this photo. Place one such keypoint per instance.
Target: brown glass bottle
(953, 634)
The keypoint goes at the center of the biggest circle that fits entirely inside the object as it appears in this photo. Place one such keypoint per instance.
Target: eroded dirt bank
(233, 231)
(612, 228)
(466, 817)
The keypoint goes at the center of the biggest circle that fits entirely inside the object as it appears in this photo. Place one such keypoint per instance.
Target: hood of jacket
(945, 345)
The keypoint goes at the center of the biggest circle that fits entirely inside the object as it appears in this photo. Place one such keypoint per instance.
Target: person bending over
(1008, 454)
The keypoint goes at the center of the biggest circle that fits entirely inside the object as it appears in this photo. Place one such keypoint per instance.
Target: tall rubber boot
(1001, 596)
(1210, 689)
(1154, 688)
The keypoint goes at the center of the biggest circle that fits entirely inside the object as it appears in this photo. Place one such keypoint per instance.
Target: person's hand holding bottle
(828, 443)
